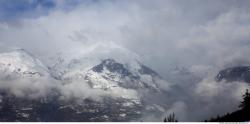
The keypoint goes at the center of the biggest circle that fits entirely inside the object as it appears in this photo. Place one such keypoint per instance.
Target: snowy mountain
(21, 63)
(76, 89)
(109, 68)
(130, 83)
(23, 75)
(110, 74)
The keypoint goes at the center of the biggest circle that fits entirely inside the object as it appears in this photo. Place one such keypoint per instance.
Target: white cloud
(204, 36)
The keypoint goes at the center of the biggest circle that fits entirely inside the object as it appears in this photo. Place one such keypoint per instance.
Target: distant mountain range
(123, 81)
(65, 91)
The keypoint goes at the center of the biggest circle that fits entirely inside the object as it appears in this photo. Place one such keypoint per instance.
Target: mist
(200, 36)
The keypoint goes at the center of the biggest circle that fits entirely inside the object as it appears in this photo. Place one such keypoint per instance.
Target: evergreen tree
(245, 104)
(165, 119)
(170, 118)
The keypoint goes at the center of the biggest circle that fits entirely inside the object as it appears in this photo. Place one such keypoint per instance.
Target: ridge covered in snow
(22, 63)
(110, 74)
(126, 82)
(22, 74)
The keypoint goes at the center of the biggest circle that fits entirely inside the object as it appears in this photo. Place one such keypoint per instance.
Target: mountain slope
(107, 91)
(236, 116)
(23, 75)
(110, 74)
(20, 62)
(239, 73)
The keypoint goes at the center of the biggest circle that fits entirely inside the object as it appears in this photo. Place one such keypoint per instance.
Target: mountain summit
(110, 74)
(21, 63)
(110, 90)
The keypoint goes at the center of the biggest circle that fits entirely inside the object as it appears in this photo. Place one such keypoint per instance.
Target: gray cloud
(203, 36)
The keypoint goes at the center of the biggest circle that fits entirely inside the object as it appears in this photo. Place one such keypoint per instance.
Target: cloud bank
(202, 36)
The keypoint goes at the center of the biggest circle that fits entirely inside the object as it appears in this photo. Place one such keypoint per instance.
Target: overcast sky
(201, 35)
(188, 33)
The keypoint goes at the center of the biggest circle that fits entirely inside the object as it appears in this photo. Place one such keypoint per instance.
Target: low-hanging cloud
(202, 36)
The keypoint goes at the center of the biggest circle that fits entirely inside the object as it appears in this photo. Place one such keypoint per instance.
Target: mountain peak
(238, 73)
(121, 75)
(21, 62)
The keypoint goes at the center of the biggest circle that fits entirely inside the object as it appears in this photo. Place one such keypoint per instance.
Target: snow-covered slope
(21, 63)
(80, 60)
(22, 74)
(107, 67)
(75, 85)
(129, 80)
(110, 74)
